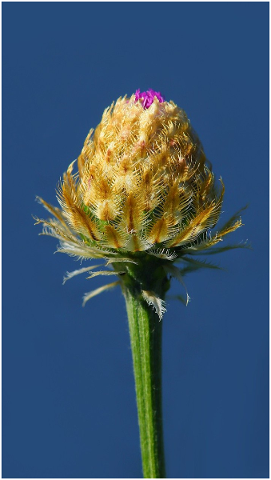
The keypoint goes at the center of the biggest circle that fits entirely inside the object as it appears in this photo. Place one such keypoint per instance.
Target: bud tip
(148, 97)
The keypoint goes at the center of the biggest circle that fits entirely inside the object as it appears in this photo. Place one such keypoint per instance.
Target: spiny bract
(144, 190)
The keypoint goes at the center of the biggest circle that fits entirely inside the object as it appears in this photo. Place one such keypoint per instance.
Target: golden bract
(144, 196)
(143, 180)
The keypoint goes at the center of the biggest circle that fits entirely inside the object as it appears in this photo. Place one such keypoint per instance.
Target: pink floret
(148, 97)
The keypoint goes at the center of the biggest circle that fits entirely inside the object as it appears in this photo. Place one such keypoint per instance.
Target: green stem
(146, 336)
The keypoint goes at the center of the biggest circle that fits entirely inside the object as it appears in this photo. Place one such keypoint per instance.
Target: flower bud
(143, 185)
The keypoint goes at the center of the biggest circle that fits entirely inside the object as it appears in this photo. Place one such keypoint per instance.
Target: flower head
(144, 192)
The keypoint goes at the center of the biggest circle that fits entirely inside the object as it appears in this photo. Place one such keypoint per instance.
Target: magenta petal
(137, 94)
(148, 97)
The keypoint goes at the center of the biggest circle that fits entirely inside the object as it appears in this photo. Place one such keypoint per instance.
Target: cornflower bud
(144, 198)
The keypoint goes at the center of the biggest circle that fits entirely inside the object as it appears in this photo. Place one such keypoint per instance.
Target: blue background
(68, 394)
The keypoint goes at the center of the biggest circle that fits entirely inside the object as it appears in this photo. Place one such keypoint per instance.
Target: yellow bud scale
(143, 185)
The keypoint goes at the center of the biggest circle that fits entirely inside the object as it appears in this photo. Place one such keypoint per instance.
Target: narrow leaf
(157, 303)
(99, 290)
(78, 272)
(194, 265)
(104, 272)
(175, 272)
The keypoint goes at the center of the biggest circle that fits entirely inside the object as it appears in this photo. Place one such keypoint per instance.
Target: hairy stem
(146, 336)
